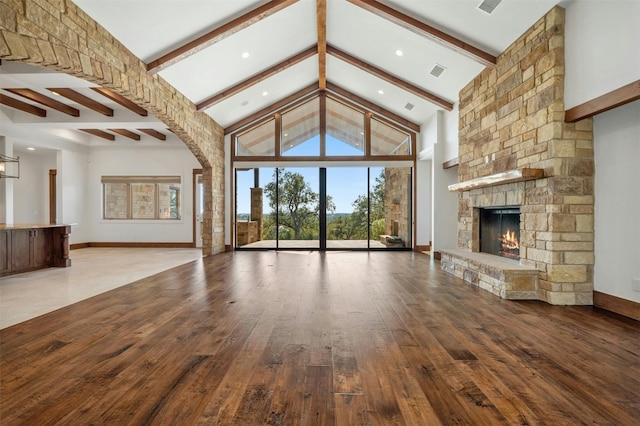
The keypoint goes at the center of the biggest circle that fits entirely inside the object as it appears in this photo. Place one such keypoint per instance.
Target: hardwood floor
(301, 338)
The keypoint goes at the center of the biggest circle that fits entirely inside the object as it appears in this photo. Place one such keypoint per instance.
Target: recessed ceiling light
(55, 93)
(381, 92)
(286, 134)
(399, 52)
(31, 148)
(245, 55)
(265, 93)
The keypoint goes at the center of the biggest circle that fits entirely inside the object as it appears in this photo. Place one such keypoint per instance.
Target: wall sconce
(9, 167)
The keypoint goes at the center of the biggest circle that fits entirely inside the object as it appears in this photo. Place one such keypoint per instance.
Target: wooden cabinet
(26, 249)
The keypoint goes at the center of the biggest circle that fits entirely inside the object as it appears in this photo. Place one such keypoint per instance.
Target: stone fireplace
(516, 151)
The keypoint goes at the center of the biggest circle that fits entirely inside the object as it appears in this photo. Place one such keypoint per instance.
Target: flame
(509, 241)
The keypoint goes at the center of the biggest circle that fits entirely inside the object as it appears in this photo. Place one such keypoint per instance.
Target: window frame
(130, 181)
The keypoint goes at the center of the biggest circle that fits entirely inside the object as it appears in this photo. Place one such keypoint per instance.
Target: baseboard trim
(228, 248)
(132, 245)
(436, 255)
(624, 307)
(422, 248)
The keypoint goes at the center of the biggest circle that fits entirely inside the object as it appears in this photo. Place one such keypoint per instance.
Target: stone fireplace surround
(515, 149)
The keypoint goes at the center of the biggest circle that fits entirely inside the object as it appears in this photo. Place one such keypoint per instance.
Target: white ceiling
(151, 28)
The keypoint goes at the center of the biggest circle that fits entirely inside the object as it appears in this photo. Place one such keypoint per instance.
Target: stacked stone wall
(512, 117)
(58, 35)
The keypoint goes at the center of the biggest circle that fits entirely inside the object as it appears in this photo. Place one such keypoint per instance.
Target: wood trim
(422, 248)
(451, 163)
(22, 106)
(321, 17)
(518, 175)
(257, 78)
(218, 34)
(79, 246)
(121, 100)
(436, 255)
(297, 97)
(156, 134)
(82, 100)
(127, 133)
(317, 159)
(194, 186)
(613, 99)
(52, 196)
(371, 69)
(99, 133)
(228, 247)
(627, 308)
(427, 31)
(34, 96)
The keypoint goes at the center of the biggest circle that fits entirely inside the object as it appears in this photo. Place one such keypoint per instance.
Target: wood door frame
(53, 202)
(196, 173)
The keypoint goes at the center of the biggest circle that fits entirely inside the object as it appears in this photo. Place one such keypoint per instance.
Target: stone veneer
(512, 117)
(58, 35)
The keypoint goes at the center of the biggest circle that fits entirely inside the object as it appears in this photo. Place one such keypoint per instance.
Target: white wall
(617, 201)
(451, 124)
(31, 191)
(424, 197)
(72, 192)
(601, 48)
(133, 161)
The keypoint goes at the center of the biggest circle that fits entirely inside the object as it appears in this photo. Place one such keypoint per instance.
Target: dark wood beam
(442, 103)
(127, 133)
(32, 95)
(613, 99)
(427, 31)
(271, 109)
(156, 134)
(371, 106)
(82, 100)
(99, 133)
(22, 106)
(321, 13)
(451, 163)
(257, 78)
(218, 34)
(121, 100)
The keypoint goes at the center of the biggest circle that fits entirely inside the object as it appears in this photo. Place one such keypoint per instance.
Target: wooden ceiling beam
(218, 34)
(427, 31)
(34, 96)
(371, 106)
(156, 134)
(271, 109)
(321, 13)
(121, 100)
(22, 106)
(126, 133)
(99, 133)
(82, 100)
(613, 99)
(289, 62)
(389, 78)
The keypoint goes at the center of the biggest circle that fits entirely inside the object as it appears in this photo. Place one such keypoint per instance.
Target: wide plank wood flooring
(310, 338)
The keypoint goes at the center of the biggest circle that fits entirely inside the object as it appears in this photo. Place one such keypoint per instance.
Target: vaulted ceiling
(237, 58)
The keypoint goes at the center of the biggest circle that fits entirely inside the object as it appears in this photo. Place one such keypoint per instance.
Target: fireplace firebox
(500, 231)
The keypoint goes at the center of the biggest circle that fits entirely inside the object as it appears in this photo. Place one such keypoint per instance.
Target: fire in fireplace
(500, 231)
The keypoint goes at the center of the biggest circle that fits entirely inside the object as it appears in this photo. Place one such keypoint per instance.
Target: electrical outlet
(635, 284)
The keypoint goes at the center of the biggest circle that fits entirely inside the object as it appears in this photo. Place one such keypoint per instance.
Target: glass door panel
(252, 229)
(347, 208)
(391, 212)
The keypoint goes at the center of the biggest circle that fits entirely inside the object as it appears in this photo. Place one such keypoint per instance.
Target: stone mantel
(510, 176)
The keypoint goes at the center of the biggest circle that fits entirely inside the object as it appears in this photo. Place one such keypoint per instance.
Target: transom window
(324, 127)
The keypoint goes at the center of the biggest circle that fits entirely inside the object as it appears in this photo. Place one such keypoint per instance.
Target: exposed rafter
(126, 133)
(613, 99)
(442, 103)
(218, 34)
(32, 95)
(99, 133)
(289, 62)
(82, 100)
(22, 106)
(156, 134)
(321, 13)
(121, 100)
(425, 30)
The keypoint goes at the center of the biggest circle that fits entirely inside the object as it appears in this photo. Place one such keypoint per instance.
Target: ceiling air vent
(489, 5)
(409, 106)
(437, 70)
